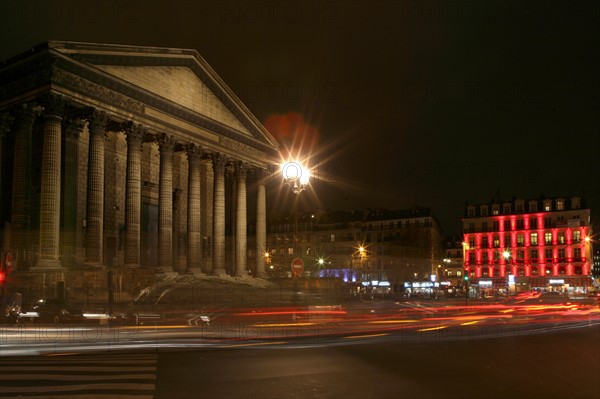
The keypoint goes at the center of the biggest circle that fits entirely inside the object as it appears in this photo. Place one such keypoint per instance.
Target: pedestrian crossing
(89, 376)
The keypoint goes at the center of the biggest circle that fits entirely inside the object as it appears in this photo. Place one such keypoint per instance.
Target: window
(495, 209)
(533, 206)
(471, 227)
(507, 242)
(332, 238)
(577, 254)
(560, 205)
(519, 207)
(576, 236)
(484, 242)
(471, 256)
(533, 239)
(495, 225)
(534, 254)
(548, 238)
(520, 240)
(561, 253)
(575, 203)
(471, 211)
(520, 224)
(547, 222)
(471, 243)
(520, 255)
(506, 209)
(533, 223)
(506, 225)
(547, 205)
(561, 238)
(496, 242)
(548, 255)
(484, 210)
(484, 226)
(290, 250)
(484, 256)
(496, 255)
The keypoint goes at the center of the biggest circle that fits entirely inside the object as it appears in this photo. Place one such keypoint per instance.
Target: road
(371, 350)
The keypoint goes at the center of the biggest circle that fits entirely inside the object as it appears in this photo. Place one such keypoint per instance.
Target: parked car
(54, 311)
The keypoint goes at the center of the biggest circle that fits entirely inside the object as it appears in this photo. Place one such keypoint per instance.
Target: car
(56, 311)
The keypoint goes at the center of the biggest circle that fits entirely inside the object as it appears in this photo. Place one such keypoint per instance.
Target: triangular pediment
(180, 85)
(175, 80)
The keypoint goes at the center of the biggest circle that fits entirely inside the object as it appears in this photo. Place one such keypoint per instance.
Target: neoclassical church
(129, 157)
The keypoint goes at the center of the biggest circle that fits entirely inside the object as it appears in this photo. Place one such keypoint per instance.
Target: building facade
(520, 245)
(375, 248)
(117, 156)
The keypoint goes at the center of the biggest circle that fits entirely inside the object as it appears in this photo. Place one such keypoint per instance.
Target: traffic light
(466, 277)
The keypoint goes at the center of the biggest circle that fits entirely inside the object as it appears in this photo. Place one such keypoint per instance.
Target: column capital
(134, 133)
(241, 169)
(194, 153)
(219, 160)
(166, 142)
(97, 121)
(6, 121)
(54, 104)
(73, 126)
(26, 113)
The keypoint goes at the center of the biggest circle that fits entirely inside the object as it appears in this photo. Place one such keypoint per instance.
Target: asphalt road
(563, 364)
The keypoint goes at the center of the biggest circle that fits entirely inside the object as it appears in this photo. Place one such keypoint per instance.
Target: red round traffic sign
(297, 266)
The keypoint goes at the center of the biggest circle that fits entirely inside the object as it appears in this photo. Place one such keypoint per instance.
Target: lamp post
(297, 177)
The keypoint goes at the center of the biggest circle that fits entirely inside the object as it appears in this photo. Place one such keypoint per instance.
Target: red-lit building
(519, 245)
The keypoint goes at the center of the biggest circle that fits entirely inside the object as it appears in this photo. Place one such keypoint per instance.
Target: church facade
(127, 157)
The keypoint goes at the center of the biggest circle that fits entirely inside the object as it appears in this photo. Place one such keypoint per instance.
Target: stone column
(165, 206)
(6, 121)
(261, 225)
(219, 161)
(25, 114)
(133, 194)
(194, 244)
(94, 243)
(72, 127)
(241, 229)
(206, 215)
(50, 184)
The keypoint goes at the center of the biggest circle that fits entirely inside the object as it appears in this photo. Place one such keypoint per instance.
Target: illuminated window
(576, 236)
(290, 250)
(520, 240)
(548, 205)
(495, 209)
(496, 242)
(561, 238)
(548, 238)
(533, 238)
(332, 238)
(560, 205)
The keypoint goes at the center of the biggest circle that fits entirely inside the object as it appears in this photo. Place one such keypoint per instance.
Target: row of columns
(50, 200)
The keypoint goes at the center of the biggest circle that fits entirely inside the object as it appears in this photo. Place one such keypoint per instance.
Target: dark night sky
(406, 102)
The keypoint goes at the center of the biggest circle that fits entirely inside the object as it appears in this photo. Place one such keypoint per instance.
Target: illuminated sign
(486, 283)
(557, 281)
(511, 279)
(384, 284)
(446, 283)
